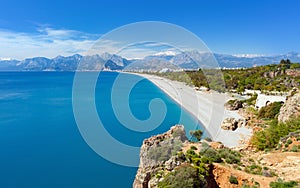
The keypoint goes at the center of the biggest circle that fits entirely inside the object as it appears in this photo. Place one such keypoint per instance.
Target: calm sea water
(40, 144)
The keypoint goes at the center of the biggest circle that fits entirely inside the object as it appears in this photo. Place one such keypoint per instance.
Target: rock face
(293, 72)
(286, 165)
(230, 124)
(272, 74)
(234, 106)
(157, 152)
(291, 106)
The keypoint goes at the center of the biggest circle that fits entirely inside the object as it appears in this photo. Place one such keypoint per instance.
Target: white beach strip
(206, 106)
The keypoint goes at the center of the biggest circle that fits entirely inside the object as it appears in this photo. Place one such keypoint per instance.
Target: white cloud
(47, 42)
(166, 53)
(50, 42)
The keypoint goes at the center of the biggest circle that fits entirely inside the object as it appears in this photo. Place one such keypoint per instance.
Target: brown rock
(148, 165)
(229, 124)
(234, 106)
(291, 107)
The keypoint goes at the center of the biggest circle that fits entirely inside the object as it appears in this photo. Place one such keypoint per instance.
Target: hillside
(209, 164)
(270, 159)
(275, 77)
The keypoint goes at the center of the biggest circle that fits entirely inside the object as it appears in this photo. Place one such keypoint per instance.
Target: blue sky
(50, 28)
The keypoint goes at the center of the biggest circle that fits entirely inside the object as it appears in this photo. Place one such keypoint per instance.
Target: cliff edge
(157, 152)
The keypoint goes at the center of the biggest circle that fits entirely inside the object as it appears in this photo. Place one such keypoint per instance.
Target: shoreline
(206, 106)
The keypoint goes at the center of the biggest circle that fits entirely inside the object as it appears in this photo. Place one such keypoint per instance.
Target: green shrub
(294, 148)
(233, 180)
(230, 156)
(265, 168)
(245, 186)
(267, 150)
(270, 137)
(281, 184)
(193, 148)
(289, 141)
(181, 156)
(179, 134)
(205, 145)
(191, 155)
(205, 160)
(251, 100)
(197, 134)
(273, 174)
(256, 184)
(191, 152)
(183, 177)
(159, 174)
(270, 111)
(255, 169)
(232, 101)
(295, 66)
(212, 154)
(164, 151)
(203, 169)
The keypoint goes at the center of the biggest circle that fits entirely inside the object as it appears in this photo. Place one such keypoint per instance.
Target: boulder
(234, 105)
(241, 122)
(229, 124)
(172, 163)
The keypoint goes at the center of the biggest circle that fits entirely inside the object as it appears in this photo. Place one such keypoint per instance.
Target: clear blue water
(40, 144)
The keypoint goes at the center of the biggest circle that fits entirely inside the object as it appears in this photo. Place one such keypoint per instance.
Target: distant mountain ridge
(106, 61)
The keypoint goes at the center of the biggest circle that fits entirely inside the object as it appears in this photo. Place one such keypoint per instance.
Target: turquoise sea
(40, 144)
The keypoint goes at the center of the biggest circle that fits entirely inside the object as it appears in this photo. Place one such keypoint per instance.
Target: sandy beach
(206, 106)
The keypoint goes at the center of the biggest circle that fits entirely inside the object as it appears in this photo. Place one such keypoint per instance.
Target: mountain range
(106, 61)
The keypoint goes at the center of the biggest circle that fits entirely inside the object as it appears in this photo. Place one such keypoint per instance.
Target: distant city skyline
(51, 28)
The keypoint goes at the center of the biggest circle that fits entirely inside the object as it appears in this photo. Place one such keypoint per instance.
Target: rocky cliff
(291, 107)
(159, 152)
(170, 160)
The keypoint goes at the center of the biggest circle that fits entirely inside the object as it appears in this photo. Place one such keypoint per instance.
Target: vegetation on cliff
(269, 138)
(282, 184)
(270, 111)
(196, 134)
(183, 176)
(274, 130)
(195, 163)
(276, 77)
(197, 166)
